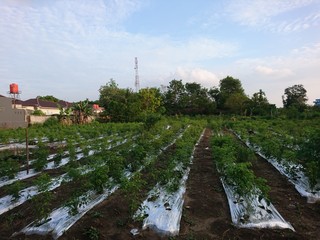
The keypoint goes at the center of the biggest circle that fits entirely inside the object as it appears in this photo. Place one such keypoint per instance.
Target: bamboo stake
(27, 150)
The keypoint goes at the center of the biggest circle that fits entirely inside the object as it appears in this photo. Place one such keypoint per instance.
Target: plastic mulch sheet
(293, 173)
(164, 213)
(253, 212)
(162, 209)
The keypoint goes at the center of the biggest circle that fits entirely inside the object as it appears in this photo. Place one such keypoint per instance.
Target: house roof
(36, 102)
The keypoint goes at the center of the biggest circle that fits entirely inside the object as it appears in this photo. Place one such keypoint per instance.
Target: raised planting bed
(247, 195)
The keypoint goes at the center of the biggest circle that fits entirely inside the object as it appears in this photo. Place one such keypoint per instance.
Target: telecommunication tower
(136, 83)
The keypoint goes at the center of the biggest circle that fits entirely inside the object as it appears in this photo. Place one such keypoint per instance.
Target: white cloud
(272, 14)
(249, 12)
(274, 74)
(204, 77)
(279, 73)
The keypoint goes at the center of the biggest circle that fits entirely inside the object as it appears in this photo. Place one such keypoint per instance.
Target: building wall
(38, 119)
(50, 111)
(9, 117)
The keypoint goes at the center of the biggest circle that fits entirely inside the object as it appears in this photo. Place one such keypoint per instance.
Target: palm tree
(82, 111)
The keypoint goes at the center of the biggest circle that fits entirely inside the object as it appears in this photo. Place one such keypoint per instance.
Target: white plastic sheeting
(13, 146)
(60, 220)
(7, 203)
(50, 165)
(19, 176)
(24, 175)
(164, 214)
(163, 210)
(299, 179)
(252, 213)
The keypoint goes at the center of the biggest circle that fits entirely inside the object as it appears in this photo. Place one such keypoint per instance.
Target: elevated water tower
(14, 93)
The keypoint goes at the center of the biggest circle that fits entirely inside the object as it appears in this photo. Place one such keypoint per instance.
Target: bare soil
(205, 214)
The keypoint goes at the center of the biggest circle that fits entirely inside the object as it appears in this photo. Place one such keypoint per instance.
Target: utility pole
(27, 149)
(136, 83)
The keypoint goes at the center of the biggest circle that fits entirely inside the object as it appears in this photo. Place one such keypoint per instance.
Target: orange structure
(14, 89)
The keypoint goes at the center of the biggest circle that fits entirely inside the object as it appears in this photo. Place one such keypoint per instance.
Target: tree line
(178, 98)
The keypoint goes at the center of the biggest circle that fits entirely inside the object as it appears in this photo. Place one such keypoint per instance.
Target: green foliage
(41, 206)
(14, 190)
(41, 155)
(51, 122)
(77, 200)
(245, 155)
(236, 103)
(151, 119)
(43, 182)
(131, 188)
(121, 105)
(74, 174)
(72, 151)
(38, 112)
(150, 100)
(9, 167)
(233, 162)
(116, 166)
(135, 157)
(99, 178)
(295, 96)
(49, 98)
(82, 111)
(229, 86)
(60, 152)
(91, 233)
(289, 142)
(309, 153)
(190, 99)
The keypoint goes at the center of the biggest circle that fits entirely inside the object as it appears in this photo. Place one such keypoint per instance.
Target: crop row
(295, 155)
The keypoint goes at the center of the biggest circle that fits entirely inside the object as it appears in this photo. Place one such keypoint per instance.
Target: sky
(70, 48)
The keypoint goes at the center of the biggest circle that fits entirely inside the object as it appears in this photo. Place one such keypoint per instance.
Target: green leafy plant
(9, 168)
(41, 206)
(41, 156)
(99, 178)
(92, 233)
(14, 190)
(131, 190)
(235, 167)
(77, 200)
(43, 182)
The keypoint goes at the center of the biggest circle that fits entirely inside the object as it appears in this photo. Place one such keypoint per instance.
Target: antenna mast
(136, 83)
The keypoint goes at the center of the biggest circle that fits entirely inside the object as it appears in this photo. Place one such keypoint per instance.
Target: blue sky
(70, 48)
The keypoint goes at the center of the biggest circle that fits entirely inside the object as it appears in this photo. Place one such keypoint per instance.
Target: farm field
(175, 179)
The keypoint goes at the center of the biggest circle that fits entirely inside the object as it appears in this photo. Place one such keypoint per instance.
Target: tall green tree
(259, 104)
(197, 100)
(295, 96)
(236, 103)
(121, 105)
(174, 97)
(230, 87)
(49, 98)
(82, 111)
(150, 100)
(189, 98)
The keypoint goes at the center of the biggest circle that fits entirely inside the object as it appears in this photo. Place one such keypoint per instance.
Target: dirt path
(303, 216)
(206, 212)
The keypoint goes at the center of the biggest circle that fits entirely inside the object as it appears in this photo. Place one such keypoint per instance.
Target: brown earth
(205, 212)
